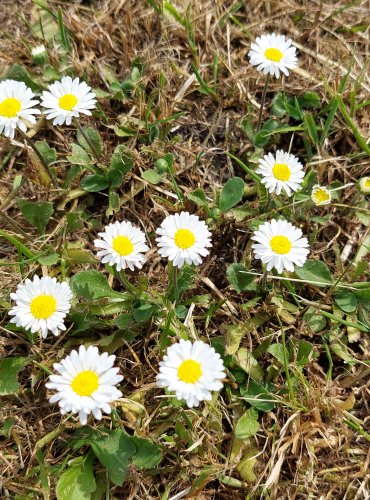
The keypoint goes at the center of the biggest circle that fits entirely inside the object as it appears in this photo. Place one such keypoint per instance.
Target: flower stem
(129, 287)
(39, 156)
(87, 139)
(262, 102)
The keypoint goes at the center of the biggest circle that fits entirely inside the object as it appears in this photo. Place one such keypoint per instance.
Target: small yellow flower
(364, 185)
(320, 195)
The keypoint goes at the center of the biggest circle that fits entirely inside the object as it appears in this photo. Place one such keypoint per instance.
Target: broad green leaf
(152, 176)
(315, 320)
(142, 313)
(309, 100)
(246, 464)
(277, 350)
(347, 301)
(238, 277)
(48, 260)
(79, 156)
(198, 197)
(19, 73)
(94, 183)
(263, 136)
(315, 271)
(247, 425)
(148, 454)
(49, 154)
(122, 159)
(77, 482)
(37, 213)
(94, 138)
(231, 193)
(114, 450)
(92, 285)
(234, 335)
(258, 395)
(245, 359)
(9, 368)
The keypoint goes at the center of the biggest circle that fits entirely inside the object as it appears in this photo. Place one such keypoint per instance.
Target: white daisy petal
(282, 171)
(272, 54)
(16, 105)
(364, 185)
(191, 371)
(280, 245)
(67, 99)
(183, 238)
(86, 383)
(122, 245)
(320, 195)
(41, 305)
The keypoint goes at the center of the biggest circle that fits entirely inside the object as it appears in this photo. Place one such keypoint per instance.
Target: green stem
(87, 139)
(39, 156)
(129, 287)
(286, 364)
(262, 102)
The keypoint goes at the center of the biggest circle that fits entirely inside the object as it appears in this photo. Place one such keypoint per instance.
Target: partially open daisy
(16, 105)
(67, 99)
(364, 185)
(183, 238)
(85, 383)
(280, 245)
(272, 54)
(320, 195)
(192, 371)
(41, 305)
(282, 171)
(122, 246)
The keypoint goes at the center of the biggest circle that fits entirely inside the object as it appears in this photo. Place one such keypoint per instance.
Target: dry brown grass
(304, 448)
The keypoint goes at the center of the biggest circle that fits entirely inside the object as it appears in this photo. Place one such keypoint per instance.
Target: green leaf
(234, 335)
(309, 100)
(77, 482)
(37, 213)
(257, 395)
(114, 450)
(94, 183)
(310, 126)
(19, 73)
(262, 137)
(277, 350)
(315, 320)
(49, 154)
(152, 176)
(94, 138)
(48, 260)
(198, 197)
(142, 313)
(122, 159)
(92, 285)
(79, 156)
(245, 359)
(347, 301)
(238, 277)
(315, 271)
(247, 425)
(231, 193)
(9, 368)
(148, 455)
(63, 32)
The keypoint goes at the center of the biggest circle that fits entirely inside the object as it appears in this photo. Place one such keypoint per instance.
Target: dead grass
(304, 448)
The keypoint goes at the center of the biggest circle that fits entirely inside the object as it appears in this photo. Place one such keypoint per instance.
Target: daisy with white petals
(273, 54)
(282, 171)
(280, 245)
(41, 305)
(67, 99)
(364, 185)
(192, 371)
(85, 383)
(320, 195)
(16, 105)
(122, 245)
(183, 238)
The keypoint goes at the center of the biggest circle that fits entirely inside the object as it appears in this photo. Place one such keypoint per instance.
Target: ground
(174, 85)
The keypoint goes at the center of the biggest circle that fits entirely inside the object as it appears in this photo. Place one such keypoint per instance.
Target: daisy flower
(38, 54)
(183, 238)
(364, 185)
(320, 195)
(282, 171)
(272, 54)
(67, 99)
(280, 245)
(85, 383)
(192, 371)
(122, 246)
(41, 305)
(16, 105)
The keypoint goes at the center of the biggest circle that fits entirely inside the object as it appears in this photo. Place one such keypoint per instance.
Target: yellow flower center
(122, 245)
(280, 244)
(85, 383)
(281, 171)
(43, 306)
(68, 102)
(321, 195)
(10, 107)
(273, 55)
(367, 183)
(184, 238)
(189, 371)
